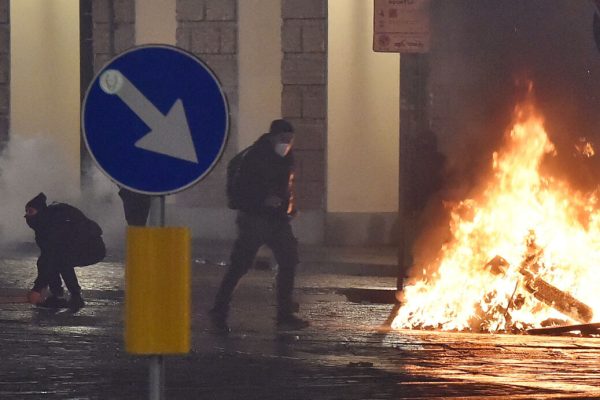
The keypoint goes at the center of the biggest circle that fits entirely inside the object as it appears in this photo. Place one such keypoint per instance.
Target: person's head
(281, 134)
(35, 205)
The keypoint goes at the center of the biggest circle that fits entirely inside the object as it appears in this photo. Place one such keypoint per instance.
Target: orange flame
(584, 148)
(517, 207)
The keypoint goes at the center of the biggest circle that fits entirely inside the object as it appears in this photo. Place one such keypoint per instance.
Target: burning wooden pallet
(543, 291)
(584, 329)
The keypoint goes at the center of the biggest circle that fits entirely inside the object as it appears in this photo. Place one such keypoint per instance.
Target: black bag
(234, 198)
(92, 252)
(80, 237)
(92, 248)
(73, 222)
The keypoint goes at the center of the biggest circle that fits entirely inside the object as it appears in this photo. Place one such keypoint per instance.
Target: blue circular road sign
(155, 119)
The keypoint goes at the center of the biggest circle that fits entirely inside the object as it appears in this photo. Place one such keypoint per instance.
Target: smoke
(30, 165)
(101, 202)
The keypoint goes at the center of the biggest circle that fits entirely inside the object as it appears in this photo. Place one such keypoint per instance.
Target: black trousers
(50, 270)
(253, 232)
(60, 261)
(136, 207)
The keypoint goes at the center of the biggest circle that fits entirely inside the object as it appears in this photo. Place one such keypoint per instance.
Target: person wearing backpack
(66, 239)
(259, 186)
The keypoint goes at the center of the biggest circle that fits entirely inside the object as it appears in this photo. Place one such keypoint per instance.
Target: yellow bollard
(157, 293)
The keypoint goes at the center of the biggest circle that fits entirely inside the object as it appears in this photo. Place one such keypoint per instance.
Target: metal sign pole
(157, 365)
(157, 372)
(162, 211)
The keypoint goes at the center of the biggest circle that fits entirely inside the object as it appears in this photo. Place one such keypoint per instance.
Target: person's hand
(34, 297)
(292, 213)
(273, 201)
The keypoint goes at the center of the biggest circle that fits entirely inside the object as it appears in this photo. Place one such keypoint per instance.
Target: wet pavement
(342, 355)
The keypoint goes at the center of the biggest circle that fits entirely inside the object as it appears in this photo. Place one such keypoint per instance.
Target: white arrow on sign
(169, 134)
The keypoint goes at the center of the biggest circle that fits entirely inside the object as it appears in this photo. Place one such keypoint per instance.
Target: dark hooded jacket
(263, 173)
(64, 231)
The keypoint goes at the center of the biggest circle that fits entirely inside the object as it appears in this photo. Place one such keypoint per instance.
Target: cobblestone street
(342, 355)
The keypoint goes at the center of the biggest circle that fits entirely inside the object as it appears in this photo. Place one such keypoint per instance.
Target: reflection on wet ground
(343, 355)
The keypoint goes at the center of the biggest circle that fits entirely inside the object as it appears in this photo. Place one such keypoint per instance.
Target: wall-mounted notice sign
(401, 26)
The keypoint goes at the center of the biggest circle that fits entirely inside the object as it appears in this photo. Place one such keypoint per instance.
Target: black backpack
(234, 198)
(82, 242)
(82, 227)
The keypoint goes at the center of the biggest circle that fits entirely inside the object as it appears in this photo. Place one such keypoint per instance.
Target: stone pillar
(304, 97)
(86, 74)
(4, 70)
(208, 29)
(113, 29)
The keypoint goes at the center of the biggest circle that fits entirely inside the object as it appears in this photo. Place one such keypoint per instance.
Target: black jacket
(64, 231)
(263, 173)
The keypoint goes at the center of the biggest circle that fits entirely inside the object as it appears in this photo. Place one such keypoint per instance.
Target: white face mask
(282, 148)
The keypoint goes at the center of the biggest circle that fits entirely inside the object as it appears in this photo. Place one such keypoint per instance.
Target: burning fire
(584, 148)
(539, 226)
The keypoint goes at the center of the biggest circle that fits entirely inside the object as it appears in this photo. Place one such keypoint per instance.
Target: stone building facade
(304, 75)
(4, 69)
(208, 29)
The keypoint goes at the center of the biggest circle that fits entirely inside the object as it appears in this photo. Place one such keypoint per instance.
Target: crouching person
(66, 239)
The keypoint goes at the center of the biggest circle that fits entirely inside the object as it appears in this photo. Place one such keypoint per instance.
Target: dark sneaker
(218, 321)
(53, 302)
(76, 302)
(291, 323)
